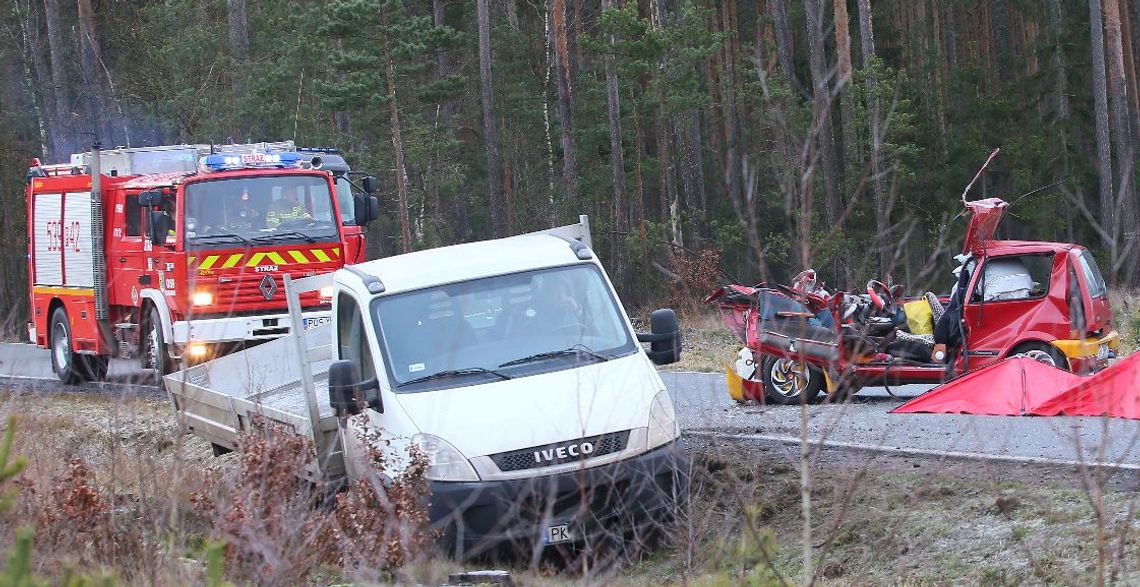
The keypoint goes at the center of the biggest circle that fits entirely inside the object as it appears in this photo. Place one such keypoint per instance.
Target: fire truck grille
(247, 294)
(561, 452)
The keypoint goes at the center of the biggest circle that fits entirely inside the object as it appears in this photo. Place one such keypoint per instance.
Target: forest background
(739, 140)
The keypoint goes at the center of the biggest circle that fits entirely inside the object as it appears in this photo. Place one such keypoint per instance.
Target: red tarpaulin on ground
(1113, 391)
(1008, 388)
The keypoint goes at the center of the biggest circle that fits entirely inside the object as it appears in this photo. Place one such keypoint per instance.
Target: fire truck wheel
(788, 382)
(154, 352)
(1042, 353)
(68, 365)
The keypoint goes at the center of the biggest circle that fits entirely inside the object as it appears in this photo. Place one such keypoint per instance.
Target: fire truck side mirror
(367, 209)
(150, 198)
(369, 184)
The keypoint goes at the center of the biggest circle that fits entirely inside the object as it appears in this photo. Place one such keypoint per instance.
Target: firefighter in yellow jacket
(289, 207)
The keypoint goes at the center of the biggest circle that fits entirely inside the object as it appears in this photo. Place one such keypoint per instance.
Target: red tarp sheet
(1007, 388)
(1022, 386)
(1113, 391)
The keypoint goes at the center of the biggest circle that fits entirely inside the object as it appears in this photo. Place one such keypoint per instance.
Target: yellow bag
(919, 317)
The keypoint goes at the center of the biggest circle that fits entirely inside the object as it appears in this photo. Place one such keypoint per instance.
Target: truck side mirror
(664, 337)
(150, 198)
(160, 225)
(369, 184)
(367, 209)
(344, 389)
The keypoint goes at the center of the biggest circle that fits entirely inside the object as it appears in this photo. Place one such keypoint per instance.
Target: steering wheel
(880, 294)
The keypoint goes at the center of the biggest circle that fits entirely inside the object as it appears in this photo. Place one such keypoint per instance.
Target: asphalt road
(704, 408)
(706, 411)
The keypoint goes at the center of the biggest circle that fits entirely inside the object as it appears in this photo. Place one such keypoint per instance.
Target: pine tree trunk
(784, 44)
(1108, 216)
(490, 124)
(1122, 133)
(882, 206)
(97, 115)
(62, 143)
(617, 154)
(821, 97)
(397, 145)
(563, 69)
(239, 42)
(843, 80)
(1060, 97)
(35, 78)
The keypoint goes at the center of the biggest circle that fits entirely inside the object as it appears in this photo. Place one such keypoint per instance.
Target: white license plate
(557, 534)
(311, 323)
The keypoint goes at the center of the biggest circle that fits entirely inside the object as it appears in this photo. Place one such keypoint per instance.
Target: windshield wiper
(285, 233)
(576, 351)
(228, 235)
(456, 373)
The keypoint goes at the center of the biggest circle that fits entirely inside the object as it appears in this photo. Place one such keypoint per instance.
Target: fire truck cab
(178, 253)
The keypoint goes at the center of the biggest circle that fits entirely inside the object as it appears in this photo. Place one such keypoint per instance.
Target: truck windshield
(344, 200)
(259, 210)
(500, 327)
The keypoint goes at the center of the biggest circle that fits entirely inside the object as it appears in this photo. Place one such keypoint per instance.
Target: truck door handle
(122, 259)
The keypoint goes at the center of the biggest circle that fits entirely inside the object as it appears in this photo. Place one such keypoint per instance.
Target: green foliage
(9, 467)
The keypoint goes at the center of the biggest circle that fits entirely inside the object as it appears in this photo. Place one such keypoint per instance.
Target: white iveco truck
(510, 363)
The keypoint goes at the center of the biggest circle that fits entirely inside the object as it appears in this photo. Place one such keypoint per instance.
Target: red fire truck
(177, 253)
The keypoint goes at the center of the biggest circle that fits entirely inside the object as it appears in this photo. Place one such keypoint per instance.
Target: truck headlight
(445, 462)
(202, 298)
(663, 427)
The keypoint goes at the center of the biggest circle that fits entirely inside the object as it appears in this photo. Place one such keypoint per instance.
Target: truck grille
(558, 453)
(242, 295)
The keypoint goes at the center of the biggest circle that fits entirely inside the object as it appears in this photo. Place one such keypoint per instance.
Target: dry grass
(878, 520)
(1126, 317)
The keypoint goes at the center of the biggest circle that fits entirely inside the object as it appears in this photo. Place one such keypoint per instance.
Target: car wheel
(1042, 353)
(788, 381)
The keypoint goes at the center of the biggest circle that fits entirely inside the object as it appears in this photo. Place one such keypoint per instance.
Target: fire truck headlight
(326, 293)
(197, 350)
(202, 298)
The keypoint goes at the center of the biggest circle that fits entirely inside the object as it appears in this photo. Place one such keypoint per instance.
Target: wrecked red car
(1044, 300)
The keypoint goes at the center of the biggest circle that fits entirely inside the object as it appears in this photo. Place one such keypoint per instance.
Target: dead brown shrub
(278, 530)
(695, 274)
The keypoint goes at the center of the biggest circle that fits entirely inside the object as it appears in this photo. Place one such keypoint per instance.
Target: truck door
(353, 344)
(127, 259)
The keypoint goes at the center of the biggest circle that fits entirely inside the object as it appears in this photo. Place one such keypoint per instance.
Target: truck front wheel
(70, 366)
(155, 356)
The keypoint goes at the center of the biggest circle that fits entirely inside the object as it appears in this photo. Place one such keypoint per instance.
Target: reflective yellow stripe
(255, 259)
(298, 256)
(336, 251)
(64, 291)
(276, 258)
(190, 262)
(320, 255)
(209, 262)
(233, 260)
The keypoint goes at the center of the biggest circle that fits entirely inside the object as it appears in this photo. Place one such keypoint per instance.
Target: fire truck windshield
(259, 210)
